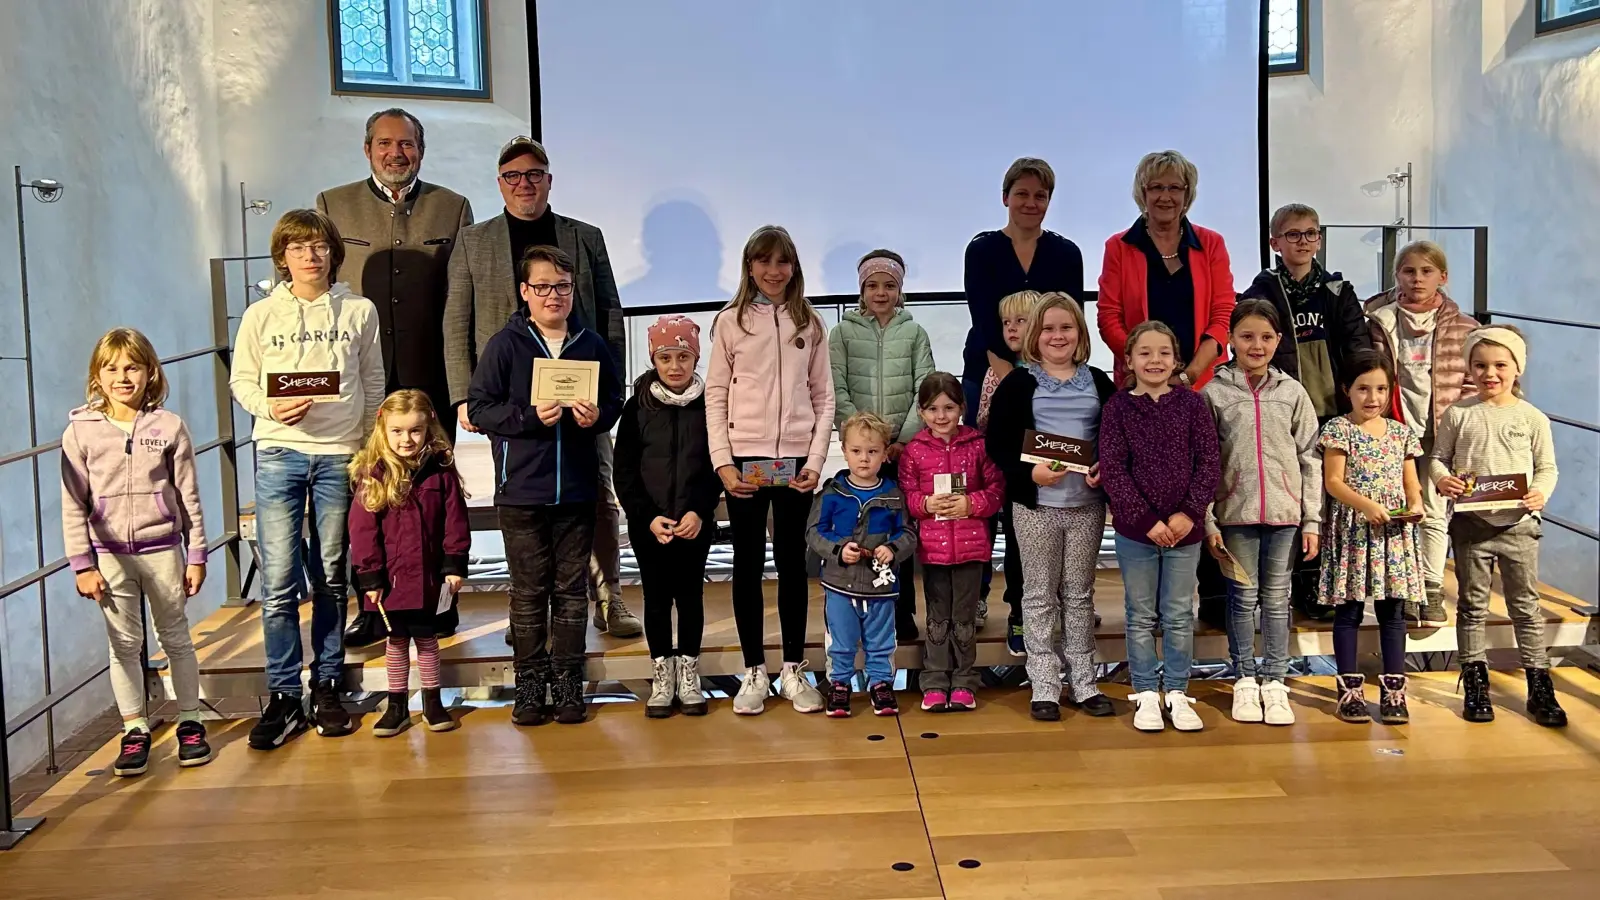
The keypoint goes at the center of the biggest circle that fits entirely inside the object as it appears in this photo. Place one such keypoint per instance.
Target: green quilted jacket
(878, 370)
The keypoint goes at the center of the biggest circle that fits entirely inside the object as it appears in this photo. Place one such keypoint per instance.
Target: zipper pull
(128, 447)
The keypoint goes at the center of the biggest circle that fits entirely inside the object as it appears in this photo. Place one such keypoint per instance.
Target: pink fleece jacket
(769, 390)
(952, 541)
(129, 494)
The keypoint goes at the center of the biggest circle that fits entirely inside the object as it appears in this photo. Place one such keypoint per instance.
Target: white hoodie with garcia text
(336, 332)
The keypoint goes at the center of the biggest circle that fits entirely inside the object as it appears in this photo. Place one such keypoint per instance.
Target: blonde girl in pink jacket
(769, 406)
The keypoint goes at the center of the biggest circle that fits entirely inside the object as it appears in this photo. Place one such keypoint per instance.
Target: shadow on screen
(681, 246)
(839, 269)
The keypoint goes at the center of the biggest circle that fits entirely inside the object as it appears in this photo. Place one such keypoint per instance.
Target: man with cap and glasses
(483, 295)
(399, 233)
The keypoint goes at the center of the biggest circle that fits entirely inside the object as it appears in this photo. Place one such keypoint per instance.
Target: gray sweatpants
(160, 577)
(1479, 547)
(948, 655)
(1060, 549)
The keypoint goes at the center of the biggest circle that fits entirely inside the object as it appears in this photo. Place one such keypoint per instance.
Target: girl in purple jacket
(408, 543)
(129, 506)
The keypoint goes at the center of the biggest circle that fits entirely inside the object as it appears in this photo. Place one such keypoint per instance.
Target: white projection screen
(678, 128)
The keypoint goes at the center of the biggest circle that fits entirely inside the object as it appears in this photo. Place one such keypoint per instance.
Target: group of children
(1238, 468)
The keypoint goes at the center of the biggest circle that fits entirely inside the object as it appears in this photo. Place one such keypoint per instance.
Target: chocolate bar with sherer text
(1488, 492)
(1074, 454)
(315, 386)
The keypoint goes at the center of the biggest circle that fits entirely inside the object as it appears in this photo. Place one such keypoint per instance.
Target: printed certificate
(565, 381)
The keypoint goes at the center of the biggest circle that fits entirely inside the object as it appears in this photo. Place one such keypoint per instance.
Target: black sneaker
(284, 718)
(1015, 645)
(135, 755)
(1098, 706)
(566, 691)
(192, 747)
(1542, 703)
(1045, 711)
(396, 717)
(328, 712)
(434, 713)
(1474, 685)
(528, 710)
(883, 699)
(1392, 708)
(1353, 699)
(838, 700)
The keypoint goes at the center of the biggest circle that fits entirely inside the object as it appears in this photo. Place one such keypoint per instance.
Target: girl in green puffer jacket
(879, 358)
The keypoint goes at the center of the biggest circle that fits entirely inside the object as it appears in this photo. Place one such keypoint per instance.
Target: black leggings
(748, 518)
(1391, 633)
(672, 575)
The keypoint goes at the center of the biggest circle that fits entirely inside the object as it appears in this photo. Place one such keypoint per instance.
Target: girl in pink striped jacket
(952, 488)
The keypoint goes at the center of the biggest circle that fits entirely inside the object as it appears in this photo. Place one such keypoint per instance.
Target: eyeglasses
(562, 289)
(1309, 236)
(514, 178)
(301, 251)
(1166, 188)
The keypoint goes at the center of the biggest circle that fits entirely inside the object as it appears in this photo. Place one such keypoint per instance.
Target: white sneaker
(662, 686)
(752, 697)
(1147, 711)
(1180, 707)
(1246, 700)
(1275, 700)
(793, 686)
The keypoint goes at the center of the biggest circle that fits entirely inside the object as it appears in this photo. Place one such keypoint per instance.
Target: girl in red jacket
(952, 488)
(408, 543)
(769, 416)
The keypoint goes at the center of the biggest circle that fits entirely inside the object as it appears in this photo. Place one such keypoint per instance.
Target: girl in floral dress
(1370, 540)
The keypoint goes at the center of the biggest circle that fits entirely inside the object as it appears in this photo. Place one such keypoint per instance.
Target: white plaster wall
(115, 100)
(1504, 129)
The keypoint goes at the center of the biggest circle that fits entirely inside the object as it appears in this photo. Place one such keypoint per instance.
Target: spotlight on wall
(46, 190)
(262, 287)
(259, 207)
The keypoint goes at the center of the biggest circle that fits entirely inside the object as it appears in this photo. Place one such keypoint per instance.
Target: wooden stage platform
(988, 805)
(232, 659)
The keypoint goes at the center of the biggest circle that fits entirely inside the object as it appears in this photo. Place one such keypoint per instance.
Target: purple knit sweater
(1158, 457)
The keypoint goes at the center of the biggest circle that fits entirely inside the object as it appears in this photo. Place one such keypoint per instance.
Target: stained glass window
(1286, 40)
(416, 47)
(431, 28)
(364, 36)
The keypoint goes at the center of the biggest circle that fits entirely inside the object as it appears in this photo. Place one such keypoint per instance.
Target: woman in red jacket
(1168, 269)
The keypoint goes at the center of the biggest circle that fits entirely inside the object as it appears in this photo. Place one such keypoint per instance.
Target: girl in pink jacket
(131, 526)
(769, 416)
(952, 487)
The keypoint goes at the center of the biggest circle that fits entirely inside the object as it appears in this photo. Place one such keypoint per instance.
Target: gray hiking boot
(662, 685)
(690, 697)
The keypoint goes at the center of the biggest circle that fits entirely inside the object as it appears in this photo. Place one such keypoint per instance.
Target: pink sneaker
(934, 701)
(963, 699)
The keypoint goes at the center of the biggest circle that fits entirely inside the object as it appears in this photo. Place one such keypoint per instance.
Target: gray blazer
(483, 292)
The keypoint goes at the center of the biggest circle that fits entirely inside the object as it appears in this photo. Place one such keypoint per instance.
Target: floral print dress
(1361, 561)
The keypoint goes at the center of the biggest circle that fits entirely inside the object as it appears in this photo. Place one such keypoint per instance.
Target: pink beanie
(674, 332)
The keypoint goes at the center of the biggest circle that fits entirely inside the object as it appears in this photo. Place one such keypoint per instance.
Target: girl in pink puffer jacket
(953, 534)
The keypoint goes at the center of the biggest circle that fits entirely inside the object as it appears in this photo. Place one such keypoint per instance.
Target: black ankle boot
(529, 708)
(396, 717)
(1392, 709)
(434, 715)
(1475, 705)
(1542, 703)
(567, 692)
(1353, 699)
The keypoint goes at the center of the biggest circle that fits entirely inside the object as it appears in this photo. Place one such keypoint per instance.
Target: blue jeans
(868, 624)
(1268, 552)
(287, 482)
(1158, 585)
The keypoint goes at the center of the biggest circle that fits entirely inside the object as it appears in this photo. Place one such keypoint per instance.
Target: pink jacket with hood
(952, 541)
(129, 494)
(769, 389)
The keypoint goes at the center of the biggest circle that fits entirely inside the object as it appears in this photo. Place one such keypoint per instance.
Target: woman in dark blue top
(1020, 256)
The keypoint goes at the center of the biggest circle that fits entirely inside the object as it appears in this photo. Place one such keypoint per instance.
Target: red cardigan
(1123, 301)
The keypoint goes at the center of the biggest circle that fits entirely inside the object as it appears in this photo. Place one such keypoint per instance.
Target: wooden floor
(984, 805)
(232, 658)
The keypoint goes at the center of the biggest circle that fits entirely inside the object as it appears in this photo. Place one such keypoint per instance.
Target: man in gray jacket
(483, 295)
(399, 232)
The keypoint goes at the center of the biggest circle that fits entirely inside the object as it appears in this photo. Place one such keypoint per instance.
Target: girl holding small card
(769, 416)
(951, 488)
(409, 540)
(1060, 515)
(1498, 433)
(1267, 429)
(1158, 456)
